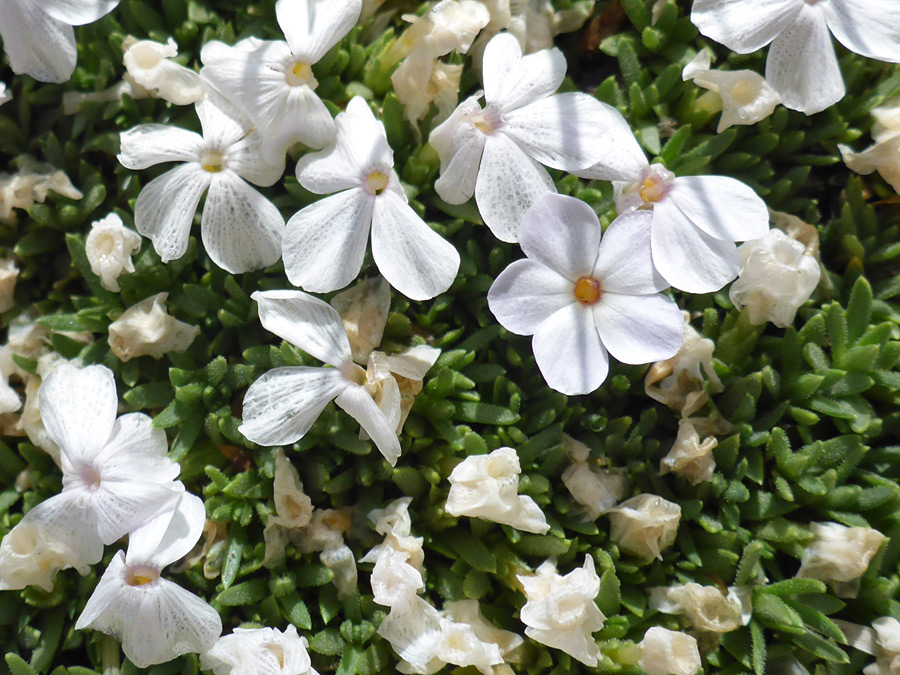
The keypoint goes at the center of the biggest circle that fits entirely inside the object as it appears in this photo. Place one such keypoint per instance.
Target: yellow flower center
(652, 190)
(300, 73)
(588, 291)
(744, 92)
(486, 121)
(142, 576)
(376, 182)
(212, 161)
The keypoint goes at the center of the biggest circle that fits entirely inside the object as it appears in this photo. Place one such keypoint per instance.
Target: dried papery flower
(409, 368)
(644, 525)
(688, 456)
(706, 608)
(109, 247)
(596, 489)
(147, 329)
(887, 649)
(364, 310)
(678, 382)
(669, 652)
(150, 65)
(8, 275)
(31, 183)
(293, 506)
(259, 651)
(839, 556)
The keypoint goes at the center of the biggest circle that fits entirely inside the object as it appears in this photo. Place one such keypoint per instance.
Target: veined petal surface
(625, 260)
(562, 233)
(639, 328)
(867, 27)
(77, 12)
(569, 352)
(724, 208)
(744, 25)
(362, 407)
(312, 27)
(36, 43)
(527, 293)
(512, 80)
(147, 145)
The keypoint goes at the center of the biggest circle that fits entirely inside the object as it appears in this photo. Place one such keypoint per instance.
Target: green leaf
(18, 666)
(245, 593)
(296, 611)
(758, 646)
(471, 549)
(794, 587)
(820, 647)
(327, 642)
(859, 309)
(484, 413)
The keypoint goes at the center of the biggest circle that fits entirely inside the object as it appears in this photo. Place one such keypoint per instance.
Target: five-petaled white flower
(496, 152)
(38, 37)
(324, 244)
(281, 406)
(696, 220)
(241, 229)
(802, 66)
(273, 82)
(155, 619)
(578, 299)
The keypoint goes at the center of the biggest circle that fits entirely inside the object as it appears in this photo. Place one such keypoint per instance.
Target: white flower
(839, 556)
(155, 619)
(38, 37)
(109, 247)
(644, 525)
(408, 368)
(536, 22)
(776, 278)
(678, 382)
(884, 155)
(560, 610)
(324, 244)
(24, 338)
(241, 229)
(746, 97)
(259, 651)
(150, 66)
(496, 152)
(5, 94)
(706, 608)
(669, 652)
(8, 275)
(281, 406)
(887, 639)
(31, 183)
(696, 220)
(688, 456)
(30, 554)
(394, 581)
(293, 506)
(273, 81)
(413, 631)
(598, 490)
(469, 612)
(364, 311)
(485, 486)
(580, 302)
(395, 524)
(147, 329)
(802, 66)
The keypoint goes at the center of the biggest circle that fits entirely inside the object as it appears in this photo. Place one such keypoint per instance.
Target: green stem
(109, 655)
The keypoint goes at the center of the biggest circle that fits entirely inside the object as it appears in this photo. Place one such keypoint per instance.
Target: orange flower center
(588, 291)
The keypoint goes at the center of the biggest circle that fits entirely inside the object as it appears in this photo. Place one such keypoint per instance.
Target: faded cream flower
(669, 652)
(364, 311)
(706, 608)
(596, 489)
(293, 506)
(259, 651)
(884, 155)
(30, 555)
(839, 556)
(644, 525)
(109, 247)
(147, 329)
(8, 275)
(485, 486)
(150, 65)
(31, 183)
(887, 647)
(688, 456)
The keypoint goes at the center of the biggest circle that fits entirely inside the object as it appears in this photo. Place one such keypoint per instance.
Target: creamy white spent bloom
(884, 155)
(325, 243)
(887, 651)
(241, 229)
(116, 474)
(258, 651)
(38, 37)
(695, 222)
(746, 97)
(409, 368)
(24, 338)
(495, 152)
(644, 525)
(669, 652)
(688, 456)
(560, 611)
(156, 620)
(109, 247)
(536, 22)
(282, 405)
(273, 81)
(802, 65)
(31, 183)
(395, 524)
(5, 94)
(706, 608)
(147, 329)
(364, 311)
(777, 276)
(596, 489)
(485, 486)
(579, 302)
(839, 556)
(150, 65)
(292, 504)
(8, 275)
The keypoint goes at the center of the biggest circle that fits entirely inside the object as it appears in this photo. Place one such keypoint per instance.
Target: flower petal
(304, 119)
(867, 27)
(246, 158)
(639, 328)
(282, 405)
(744, 25)
(688, 258)
(306, 322)
(170, 536)
(78, 408)
(512, 80)
(362, 407)
(312, 27)
(241, 229)
(562, 233)
(802, 66)
(411, 256)
(147, 145)
(124, 506)
(526, 293)
(625, 262)
(724, 208)
(105, 593)
(508, 183)
(165, 208)
(136, 449)
(569, 352)
(77, 12)
(456, 184)
(37, 44)
(325, 243)
(223, 124)
(622, 158)
(572, 132)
